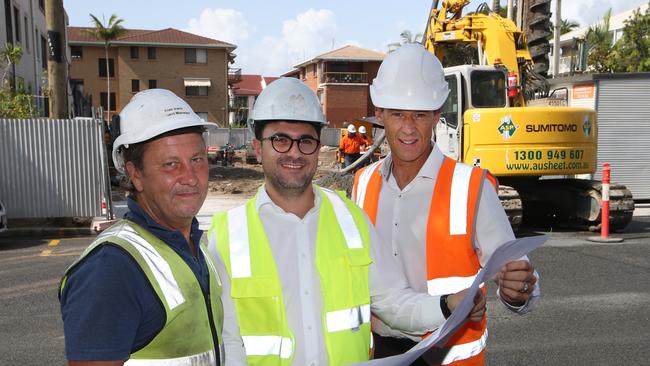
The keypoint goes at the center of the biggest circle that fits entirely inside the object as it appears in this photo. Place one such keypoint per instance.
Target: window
(43, 53)
(17, 24)
(202, 115)
(196, 56)
(196, 91)
(488, 89)
(135, 52)
(41, 5)
(102, 97)
(151, 53)
(76, 52)
(102, 67)
(27, 36)
(135, 85)
(153, 84)
(450, 108)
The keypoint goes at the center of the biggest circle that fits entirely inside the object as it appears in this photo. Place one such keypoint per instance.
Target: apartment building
(573, 47)
(24, 27)
(196, 68)
(341, 79)
(243, 96)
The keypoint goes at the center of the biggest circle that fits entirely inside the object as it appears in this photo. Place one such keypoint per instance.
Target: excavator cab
(470, 87)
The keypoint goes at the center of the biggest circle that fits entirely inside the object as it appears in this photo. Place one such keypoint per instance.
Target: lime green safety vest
(180, 293)
(342, 260)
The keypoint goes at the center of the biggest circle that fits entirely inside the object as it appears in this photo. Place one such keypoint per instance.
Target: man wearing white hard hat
(146, 291)
(442, 219)
(301, 263)
(351, 145)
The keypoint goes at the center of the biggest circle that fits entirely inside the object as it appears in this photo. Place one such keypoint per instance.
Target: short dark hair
(135, 152)
(260, 125)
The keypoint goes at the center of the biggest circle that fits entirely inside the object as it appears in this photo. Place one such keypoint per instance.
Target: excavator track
(574, 204)
(511, 202)
(537, 27)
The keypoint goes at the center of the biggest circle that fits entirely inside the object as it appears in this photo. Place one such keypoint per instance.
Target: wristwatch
(444, 306)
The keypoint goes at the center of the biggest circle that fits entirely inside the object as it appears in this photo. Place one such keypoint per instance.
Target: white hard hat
(351, 128)
(287, 99)
(362, 129)
(150, 113)
(410, 78)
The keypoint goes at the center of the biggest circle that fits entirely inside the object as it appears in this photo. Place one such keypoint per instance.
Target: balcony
(344, 78)
(234, 75)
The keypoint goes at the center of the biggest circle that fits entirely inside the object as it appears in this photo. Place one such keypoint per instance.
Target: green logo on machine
(507, 128)
(586, 126)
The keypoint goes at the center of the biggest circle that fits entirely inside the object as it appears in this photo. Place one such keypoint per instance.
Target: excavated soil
(244, 179)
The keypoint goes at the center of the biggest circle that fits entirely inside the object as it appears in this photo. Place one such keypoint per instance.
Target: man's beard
(293, 187)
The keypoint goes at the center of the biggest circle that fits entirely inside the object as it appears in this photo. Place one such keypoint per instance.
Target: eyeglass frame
(274, 138)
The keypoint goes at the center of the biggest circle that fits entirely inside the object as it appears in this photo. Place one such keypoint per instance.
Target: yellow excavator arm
(498, 41)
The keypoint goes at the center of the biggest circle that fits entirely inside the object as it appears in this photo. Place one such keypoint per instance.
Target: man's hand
(516, 281)
(478, 311)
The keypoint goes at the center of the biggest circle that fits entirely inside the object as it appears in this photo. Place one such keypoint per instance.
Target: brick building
(341, 78)
(193, 67)
(243, 96)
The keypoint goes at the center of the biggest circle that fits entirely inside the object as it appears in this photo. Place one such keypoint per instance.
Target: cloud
(303, 37)
(310, 33)
(227, 25)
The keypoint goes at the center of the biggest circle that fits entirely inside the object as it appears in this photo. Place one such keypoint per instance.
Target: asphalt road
(594, 310)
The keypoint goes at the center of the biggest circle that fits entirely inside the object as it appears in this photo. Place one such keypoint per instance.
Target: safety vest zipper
(215, 338)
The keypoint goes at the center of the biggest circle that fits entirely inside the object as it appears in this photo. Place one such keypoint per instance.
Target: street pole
(556, 38)
(56, 59)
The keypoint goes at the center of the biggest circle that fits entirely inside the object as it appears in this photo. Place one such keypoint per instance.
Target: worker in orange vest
(351, 145)
(441, 218)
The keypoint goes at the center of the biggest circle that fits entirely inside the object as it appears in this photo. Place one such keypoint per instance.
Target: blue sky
(271, 36)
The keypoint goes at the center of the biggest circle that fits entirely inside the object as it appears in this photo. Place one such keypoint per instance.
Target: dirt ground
(244, 179)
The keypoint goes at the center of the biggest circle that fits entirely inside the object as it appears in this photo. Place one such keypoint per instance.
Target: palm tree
(568, 25)
(599, 44)
(409, 37)
(11, 55)
(111, 31)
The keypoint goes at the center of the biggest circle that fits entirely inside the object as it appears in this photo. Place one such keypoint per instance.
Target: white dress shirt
(293, 243)
(402, 222)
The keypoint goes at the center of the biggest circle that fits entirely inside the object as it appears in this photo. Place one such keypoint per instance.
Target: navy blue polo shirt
(108, 306)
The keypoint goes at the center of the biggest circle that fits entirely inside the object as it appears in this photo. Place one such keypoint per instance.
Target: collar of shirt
(428, 170)
(264, 200)
(173, 238)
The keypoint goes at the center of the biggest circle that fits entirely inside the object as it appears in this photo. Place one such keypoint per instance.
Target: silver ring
(525, 288)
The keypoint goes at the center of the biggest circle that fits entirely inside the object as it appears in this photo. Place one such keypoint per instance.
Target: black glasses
(283, 143)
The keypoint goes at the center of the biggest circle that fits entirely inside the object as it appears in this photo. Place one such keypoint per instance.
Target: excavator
(536, 152)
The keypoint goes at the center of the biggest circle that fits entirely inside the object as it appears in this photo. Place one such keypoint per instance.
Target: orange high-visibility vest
(452, 262)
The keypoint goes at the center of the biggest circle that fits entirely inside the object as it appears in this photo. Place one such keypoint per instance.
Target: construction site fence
(53, 167)
(239, 137)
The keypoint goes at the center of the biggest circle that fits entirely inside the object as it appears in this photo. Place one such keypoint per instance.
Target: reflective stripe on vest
(464, 351)
(268, 345)
(364, 176)
(158, 265)
(347, 318)
(205, 358)
(449, 285)
(459, 196)
(240, 256)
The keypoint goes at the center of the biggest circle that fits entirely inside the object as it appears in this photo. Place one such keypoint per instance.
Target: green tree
(15, 102)
(599, 45)
(10, 55)
(107, 32)
(632, 52)
(568, 25)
